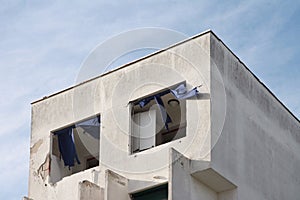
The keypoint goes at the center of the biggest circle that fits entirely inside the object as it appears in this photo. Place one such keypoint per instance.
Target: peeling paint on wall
(44, 169)
(36, 146)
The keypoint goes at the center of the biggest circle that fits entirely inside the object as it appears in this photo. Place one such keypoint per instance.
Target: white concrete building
(140, 132)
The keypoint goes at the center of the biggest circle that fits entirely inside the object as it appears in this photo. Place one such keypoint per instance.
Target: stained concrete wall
(116, 187)
(255, 140)
(49, 115)
(110, 95)
(184, 186)
(90, 191)
(197, 179)
(258, 144)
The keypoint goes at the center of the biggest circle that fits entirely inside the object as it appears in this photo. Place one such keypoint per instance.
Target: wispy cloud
(263, 35)
(44, 42)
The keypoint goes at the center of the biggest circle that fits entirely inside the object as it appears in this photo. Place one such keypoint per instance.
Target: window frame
(182, 125)
(55, 156)
(159, 190)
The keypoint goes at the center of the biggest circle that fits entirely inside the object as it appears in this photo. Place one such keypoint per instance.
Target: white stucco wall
(184, 186)
(109, 95)
(255, 141)
(259, 143)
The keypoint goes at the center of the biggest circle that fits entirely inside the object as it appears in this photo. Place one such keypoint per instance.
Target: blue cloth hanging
(180, 92)
(145, 101)
(67, 146)
(165, 116)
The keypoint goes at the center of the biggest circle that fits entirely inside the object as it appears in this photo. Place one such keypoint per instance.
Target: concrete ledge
(90, 191)
(213, 179)
(203, 172)
(116, 186)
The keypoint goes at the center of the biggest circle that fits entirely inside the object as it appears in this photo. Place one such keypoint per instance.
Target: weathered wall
(255, 140)
(184, 186)
(258, 147)
(90, 191)
(116, 187)
(146, 77)
(109, 95)
(52, 114)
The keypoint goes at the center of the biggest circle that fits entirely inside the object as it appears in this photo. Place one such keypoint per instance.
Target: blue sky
(43, 44)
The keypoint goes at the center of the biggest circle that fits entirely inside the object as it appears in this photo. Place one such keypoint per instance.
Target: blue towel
(67, 146)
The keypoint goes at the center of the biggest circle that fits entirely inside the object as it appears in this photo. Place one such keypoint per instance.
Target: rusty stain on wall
(44, 169)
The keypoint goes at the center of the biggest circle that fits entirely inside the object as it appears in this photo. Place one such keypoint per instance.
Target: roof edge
(259, 81)
(163, 50)
(126, 65)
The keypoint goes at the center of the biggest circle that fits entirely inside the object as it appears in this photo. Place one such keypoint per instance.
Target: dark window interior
(156, 193)
(149, 127)
(75, 148)
(92, 162)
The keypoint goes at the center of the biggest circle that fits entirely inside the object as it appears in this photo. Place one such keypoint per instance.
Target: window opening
(156, 193)
(75, 148)
(160, 118)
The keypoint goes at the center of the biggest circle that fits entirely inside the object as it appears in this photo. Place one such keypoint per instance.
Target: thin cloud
(44, 42)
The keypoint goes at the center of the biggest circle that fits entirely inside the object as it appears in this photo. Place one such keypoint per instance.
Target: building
(187, 122)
